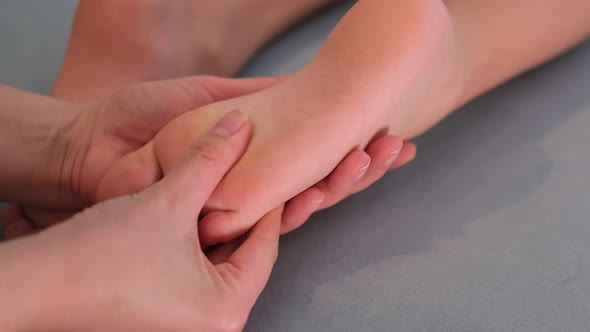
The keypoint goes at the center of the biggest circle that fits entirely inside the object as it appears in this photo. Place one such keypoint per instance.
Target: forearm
(31, 142)
(410, 63)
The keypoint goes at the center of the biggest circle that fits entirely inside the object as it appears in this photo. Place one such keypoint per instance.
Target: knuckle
(208, 151)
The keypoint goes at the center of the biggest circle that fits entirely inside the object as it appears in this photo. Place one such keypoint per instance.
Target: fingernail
(391, 159)
(363, 170)
(393, 155)
(319, 203)
(230, 124)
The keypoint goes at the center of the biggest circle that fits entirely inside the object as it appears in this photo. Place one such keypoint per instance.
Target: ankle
(235, 31)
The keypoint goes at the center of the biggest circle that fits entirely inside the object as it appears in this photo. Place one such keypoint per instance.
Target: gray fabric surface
(486, 231)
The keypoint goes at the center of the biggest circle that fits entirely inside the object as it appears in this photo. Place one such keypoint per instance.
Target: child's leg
(116, 43)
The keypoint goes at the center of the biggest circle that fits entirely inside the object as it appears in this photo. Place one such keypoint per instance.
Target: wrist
(65, 145)
(34, 135)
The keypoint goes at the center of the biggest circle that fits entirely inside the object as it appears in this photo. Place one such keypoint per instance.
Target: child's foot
(118, 43)
(295, 144)
(228, 33)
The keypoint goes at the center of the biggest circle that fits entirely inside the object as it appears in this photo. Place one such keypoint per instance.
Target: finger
(186, 94)
(336, 187)
(345, 180)
(300, 208)
(406, 155)
(17, 228)
(339, 184)
(221, 227)
(384, 152)
(225, 226)
(30, 232)
(13, 223)
(219, 254)
(10, 213)
(44, 218)
(253, 261)
(155, 104)
(139, 170)
(187, 187)
(218, 88)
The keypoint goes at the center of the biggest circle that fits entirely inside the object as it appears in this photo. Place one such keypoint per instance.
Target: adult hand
(97, 134)
(359, 170)
(134, 263)
(105, 131)
(355, 173)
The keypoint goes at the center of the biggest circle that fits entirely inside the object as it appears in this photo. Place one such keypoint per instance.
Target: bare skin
(121, 43)
(404, 80)
(149, 274)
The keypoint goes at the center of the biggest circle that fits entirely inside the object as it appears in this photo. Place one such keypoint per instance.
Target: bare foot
(117, 43)
(295, 144)
(233, 30)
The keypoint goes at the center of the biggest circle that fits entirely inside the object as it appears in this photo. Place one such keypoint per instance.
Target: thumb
(188, 93)
(254, 259)
(131, 174)
(152, 105)
(188, 186)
